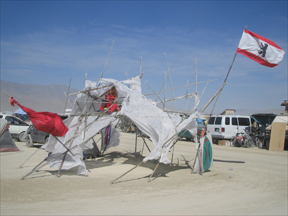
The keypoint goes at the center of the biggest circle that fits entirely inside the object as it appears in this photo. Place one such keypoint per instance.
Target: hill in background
(40, 98)
(52, 98)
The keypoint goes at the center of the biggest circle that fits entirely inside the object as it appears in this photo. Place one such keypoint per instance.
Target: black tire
(46, 139)
(259, 143)
(188, 139)
(29, 142)
(20, 137)
(233, 141)
(267, 143)
(238, 143)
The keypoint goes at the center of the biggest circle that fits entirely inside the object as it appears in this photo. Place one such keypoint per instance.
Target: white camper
(224, 127)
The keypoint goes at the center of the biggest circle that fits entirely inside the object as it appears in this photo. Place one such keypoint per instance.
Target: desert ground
(241, 182)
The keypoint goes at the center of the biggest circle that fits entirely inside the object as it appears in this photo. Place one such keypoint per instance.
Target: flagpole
(224, 82)
(230, 67)
(225, 79)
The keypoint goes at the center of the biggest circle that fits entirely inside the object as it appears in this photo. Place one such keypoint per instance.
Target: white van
(226, 126)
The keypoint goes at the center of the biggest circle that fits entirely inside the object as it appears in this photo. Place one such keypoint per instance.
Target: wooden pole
(195, 80)
(213, 97)
(197, 156)
(186, 97)
(21, 166)
(144, 142)
(126, 172)
(6, 93)
(63, 145)
(169, 73)
(71, 141)
(179, 87)
(172, 155)
(165, 90)
(105, 64)
(136, 141)
(154, 92)
(225, 81)
(140, 66)
(195, 77)
(34, 169)
(153, 172)
(66, 95)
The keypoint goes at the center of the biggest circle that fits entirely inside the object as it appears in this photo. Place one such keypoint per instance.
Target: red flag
(44, 121)
(260, 49)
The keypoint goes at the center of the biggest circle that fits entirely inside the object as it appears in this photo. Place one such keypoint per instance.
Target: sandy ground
(241, 182)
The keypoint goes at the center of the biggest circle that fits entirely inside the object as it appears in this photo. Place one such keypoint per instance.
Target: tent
(20, 111)
(85, 122)
(6, 142)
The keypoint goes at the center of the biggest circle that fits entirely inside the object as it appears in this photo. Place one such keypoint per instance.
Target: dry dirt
(241, 182)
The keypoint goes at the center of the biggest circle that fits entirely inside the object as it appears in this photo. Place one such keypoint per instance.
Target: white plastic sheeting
(75, 140)
(162, 127)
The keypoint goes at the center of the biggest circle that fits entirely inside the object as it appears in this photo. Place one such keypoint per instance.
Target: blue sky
(47, 42)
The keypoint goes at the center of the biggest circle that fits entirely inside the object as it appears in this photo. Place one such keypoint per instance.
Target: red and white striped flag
(260, 49)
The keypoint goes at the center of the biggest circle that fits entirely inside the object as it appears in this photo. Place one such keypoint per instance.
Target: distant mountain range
(40, 98)
(52, 98)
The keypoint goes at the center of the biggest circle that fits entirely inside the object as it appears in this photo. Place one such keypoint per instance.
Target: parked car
(17, 127)
(200, 127)
(35, 136)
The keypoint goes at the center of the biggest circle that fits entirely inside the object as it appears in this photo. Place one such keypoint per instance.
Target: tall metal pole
(224, 82)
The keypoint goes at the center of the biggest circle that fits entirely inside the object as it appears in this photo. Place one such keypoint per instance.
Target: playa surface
(241, 182)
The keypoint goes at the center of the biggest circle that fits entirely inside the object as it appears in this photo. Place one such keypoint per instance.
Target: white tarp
(162, 127)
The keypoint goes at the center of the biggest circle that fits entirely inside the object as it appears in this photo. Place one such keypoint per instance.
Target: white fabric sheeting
(160, 126)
